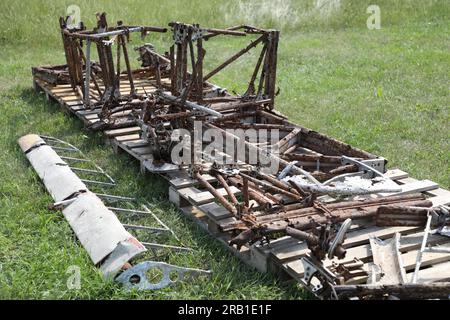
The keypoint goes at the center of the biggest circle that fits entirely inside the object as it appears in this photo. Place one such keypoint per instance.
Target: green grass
(385, 91)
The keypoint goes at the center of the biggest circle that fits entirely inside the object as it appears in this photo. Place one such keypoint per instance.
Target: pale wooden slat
(122, 131)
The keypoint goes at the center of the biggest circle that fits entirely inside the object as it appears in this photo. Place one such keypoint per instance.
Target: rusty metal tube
(278, 183)
(253, 193)
(215, 193)
(347, 205)
(227, 189)
(272, 188)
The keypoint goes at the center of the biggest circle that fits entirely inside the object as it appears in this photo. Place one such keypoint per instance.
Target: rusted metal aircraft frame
(266, 205)
(190, 85)
(105, 75)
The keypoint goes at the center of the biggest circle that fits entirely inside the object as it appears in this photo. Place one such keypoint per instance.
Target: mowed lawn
(385, 91)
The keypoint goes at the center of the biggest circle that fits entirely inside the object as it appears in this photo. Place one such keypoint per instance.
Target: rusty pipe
(216, 194)
(227, 189)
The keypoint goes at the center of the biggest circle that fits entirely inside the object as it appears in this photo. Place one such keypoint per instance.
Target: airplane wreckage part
(387, 267)
(327, 243)
(98, 229)
(400, 215)
(319, 186)
(311, 217)
(137, 276)
(191, 105)
(96, 226)
(396, 291)
(60, 145)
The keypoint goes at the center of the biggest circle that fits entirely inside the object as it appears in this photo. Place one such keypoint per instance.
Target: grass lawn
(385, 91)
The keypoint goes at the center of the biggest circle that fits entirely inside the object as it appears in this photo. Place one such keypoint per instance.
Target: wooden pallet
(282, 255)
(72, 102)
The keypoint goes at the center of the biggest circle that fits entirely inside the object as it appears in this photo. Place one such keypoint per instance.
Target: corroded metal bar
(271, 187)
(253, 193)
(215, 193)
(312, 158)
(347, 205)
(122, 31)
(396, 215)
(400, 291)
(227, 189)
(360, 209)
(127, 63)
(190, 104)
(312, 239)
(278, 183)
(245, 192)
(231, 106)
(233, 58)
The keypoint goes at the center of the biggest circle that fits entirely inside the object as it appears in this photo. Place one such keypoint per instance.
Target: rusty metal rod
(255, 194)
(230, 106)
(272, 188)
(285, 141)
(309, 221)
(313, 158)
(227, 189)
(233, 58)
(127, 64)
(401, 291)
(216, 194)
(312, 239)
(292, 212)
(312, 220)
(278, 183)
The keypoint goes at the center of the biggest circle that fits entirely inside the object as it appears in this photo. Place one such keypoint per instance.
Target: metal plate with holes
(136, 277)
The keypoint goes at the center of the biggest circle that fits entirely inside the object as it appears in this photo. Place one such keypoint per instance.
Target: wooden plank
(58, 90)
(184, 182)
(407, 180)
(215, 211)
(428, 258)
(439, 196)
(195, 215)
(73, 98)
(142, 150)
(416, 186)
(441, 200)
(85, 112)
(176, 197)
(187, 192)
(128, 137)
(91, 116)
(91, 122)
(438, 192)
(121, 132)
(206, 196)
(435, 273)
(158, 168)
(136, 143)
(75, 107)
(396, 174)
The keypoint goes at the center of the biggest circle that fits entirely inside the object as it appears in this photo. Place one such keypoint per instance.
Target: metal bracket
(340, 236)
(325, 278)
(135, 277)
(371, 167)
